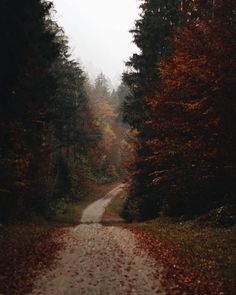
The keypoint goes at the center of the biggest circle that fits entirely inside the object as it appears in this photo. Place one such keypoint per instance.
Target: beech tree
(185, 152)
(193, 118)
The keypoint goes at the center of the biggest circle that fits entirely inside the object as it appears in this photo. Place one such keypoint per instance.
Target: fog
(98, 31)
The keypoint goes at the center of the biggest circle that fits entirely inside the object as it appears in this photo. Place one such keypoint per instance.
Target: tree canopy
(182, 86)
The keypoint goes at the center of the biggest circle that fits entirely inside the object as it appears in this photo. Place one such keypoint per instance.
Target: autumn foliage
(187, 145)
(58, 135)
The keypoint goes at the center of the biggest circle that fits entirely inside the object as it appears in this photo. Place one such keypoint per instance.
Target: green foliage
(108, 155)
(57, 207)
(29, 47)
(183, 109)
(224, 216)
(63, 186)
(45, 112)
(152, 35)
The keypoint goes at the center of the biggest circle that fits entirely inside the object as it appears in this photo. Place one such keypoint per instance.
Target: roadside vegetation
(168, 130)
(60, 132)
(27, 248)
(62, 140)
(73, 211)
(196, 258)
(182, 105)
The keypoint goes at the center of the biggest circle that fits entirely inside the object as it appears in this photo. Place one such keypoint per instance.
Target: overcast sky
(98, 31)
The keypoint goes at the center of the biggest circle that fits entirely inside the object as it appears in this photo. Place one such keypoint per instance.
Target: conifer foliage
(52, 140)
(185, 163)
(29, 47)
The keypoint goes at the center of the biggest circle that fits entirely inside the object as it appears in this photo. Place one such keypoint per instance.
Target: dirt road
(100, 260)
(94, 212)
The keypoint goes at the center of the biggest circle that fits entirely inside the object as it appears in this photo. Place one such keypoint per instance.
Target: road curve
(100, 260)
(94, 212)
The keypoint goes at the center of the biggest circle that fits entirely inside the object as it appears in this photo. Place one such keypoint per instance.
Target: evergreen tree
(101, 88)
(152, 34)
(44, 112)
(28, 49)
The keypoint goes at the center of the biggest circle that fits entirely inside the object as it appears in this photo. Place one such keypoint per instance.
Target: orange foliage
(193, 112)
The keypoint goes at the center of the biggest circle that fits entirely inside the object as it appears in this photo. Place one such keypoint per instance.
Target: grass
(26, 248)
(73, 212)
(209, 250)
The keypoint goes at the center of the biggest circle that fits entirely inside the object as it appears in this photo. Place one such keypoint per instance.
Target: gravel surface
(100, 259)
(94, 212)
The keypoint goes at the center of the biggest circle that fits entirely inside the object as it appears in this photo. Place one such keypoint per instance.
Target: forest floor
(73, 212)
(28, 248)
(181, 257)
(100, 259)
(196, 258)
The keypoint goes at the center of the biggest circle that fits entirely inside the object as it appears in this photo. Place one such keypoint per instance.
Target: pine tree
(28, 48)
(152, 34)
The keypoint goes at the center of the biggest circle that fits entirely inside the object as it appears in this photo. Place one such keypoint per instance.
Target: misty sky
(99, 32)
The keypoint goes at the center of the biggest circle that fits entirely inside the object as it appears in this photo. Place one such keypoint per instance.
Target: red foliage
(21, 261)
(177, 275)
(192, 117)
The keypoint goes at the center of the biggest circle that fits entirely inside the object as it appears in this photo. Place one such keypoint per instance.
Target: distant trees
(105, 105)
(59, 132)
(101, 87)
(48, 131)
(185, 162)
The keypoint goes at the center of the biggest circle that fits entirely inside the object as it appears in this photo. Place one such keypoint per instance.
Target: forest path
(94, 212)
(100, 259)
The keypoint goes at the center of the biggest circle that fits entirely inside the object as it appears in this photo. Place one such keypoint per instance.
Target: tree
(101, 88)
(27, 85)
(193, 116)
(152, 34)
(186, 140)
(47, 129)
